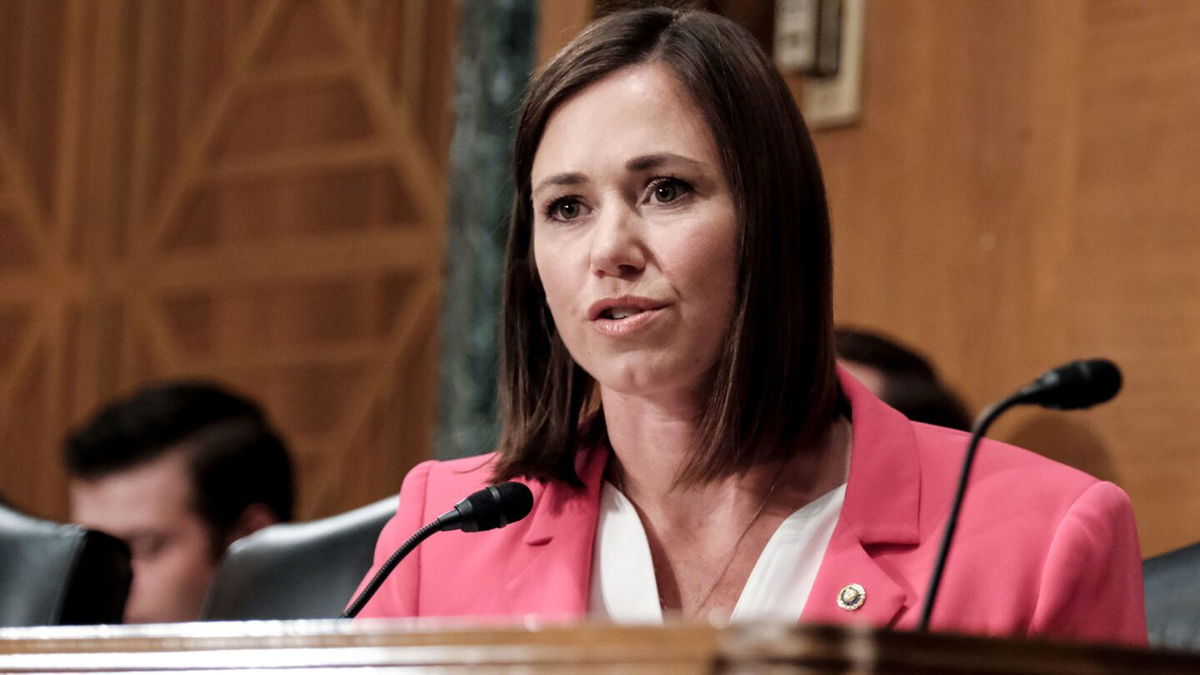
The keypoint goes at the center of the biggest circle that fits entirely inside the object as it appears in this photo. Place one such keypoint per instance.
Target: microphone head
(1079, 384)
(495, 506)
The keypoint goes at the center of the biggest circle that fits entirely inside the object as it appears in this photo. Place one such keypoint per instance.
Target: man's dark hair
(236, 458)
(774, 385)
(910, 383)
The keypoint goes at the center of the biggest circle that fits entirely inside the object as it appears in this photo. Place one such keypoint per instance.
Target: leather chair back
(1173, 598)
(53, 574)
(298, 570)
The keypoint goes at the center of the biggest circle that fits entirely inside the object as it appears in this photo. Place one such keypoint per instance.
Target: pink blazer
(1041, 549)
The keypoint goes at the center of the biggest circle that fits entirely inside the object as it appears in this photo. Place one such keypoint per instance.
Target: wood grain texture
(399, 646)
(1019, 194)
(559, 21)
(250, 191)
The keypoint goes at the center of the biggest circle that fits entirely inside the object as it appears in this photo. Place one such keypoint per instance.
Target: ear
(253, 518)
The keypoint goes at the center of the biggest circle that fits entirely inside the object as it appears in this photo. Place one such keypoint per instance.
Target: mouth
(618, 309)
(617, 313)
(624, 316)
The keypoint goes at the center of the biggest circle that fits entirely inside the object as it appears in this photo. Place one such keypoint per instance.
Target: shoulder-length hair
(774, 386)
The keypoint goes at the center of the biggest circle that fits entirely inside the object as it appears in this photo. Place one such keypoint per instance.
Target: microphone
(1078, 384)
(487, 509)
(493, 506)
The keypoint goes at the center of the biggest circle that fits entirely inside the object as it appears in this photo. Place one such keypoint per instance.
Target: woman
(669, 390)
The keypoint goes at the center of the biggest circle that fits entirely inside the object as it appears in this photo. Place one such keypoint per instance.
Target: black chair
(52, 574)
(1173, 598)
(298, 570)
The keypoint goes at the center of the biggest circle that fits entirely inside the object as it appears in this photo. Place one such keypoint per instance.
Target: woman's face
(635, 233)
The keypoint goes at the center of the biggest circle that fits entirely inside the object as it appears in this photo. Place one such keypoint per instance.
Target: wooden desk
(402, 646)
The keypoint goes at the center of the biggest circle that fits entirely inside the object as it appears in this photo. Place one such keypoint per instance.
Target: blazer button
(851, 597)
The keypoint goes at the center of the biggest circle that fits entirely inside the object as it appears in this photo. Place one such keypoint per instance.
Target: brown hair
(774, 386)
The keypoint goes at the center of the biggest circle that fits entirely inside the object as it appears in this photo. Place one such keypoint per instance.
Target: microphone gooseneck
(1079, 384)
(487, 509)
(386, 569)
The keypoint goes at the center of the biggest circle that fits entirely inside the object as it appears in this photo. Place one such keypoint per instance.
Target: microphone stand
(493, 506)
(981, 426)
(369, 591)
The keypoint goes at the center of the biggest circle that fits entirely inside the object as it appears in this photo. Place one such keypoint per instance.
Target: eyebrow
(640, 163)
(646, 162)
(560, 179)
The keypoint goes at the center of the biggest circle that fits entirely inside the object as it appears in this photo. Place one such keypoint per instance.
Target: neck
(652, 442)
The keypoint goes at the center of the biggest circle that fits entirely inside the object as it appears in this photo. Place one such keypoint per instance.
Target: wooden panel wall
(249, 191)
(1020, 193)
(559, 21)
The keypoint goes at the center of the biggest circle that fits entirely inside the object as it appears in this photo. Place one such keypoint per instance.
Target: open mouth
(624, 316)
(620, 308)
(617, 313)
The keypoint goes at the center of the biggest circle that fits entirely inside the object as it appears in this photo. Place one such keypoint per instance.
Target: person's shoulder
(477, 468)
(434, 482)
(998, 464)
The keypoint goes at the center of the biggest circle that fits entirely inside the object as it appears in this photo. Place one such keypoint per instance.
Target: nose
(618, 248)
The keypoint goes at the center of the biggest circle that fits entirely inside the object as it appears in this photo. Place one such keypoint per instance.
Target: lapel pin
(851, 597)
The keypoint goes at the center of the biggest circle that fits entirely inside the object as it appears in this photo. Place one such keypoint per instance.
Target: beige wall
(1022, 191)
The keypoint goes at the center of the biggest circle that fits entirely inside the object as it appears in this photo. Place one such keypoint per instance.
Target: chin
(650, 381)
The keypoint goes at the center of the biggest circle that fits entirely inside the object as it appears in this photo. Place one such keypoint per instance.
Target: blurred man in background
(901, 377)
(178, 471)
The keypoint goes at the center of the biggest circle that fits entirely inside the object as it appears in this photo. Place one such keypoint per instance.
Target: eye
(667, 190)
(564, 209)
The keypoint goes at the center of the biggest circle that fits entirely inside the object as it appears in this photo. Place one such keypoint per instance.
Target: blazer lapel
(846, 572)
(881, 510)
(551, 570)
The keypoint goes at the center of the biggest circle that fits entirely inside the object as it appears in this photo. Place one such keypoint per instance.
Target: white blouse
(624, 588)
